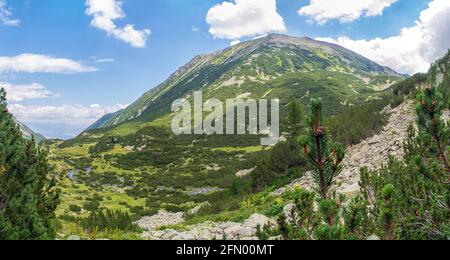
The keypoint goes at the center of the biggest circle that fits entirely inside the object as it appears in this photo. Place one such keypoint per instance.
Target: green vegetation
(323, 155)
(138, 167)
(333, 220)
(284, 64)
(355, 123)
(407, 199)
(28, 197)
(109, 220)
(284, 161)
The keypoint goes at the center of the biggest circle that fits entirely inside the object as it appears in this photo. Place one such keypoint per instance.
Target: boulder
(74, 238)
(258, 220)
(373, 238)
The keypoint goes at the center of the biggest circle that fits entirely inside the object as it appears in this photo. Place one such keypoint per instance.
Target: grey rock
(258, 220)
(74, 238)
(373, 238)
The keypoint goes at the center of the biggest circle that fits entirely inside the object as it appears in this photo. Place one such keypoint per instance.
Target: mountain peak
(259, 63)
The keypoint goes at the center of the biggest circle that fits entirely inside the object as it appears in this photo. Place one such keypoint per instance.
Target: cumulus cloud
(76, 115)
(240, 18)
(5, 15)
(105, 12)
(35, 63)
(17, 93)
(415, 47)
(322, 11)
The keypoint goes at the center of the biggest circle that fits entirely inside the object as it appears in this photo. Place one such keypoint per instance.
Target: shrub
(108, 220)
(356, 123)
(75, 208)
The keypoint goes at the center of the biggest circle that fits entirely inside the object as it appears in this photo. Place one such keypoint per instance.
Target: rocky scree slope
(370, 153)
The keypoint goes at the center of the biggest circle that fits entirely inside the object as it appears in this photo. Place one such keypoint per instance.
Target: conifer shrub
(28, 193)
(410, 198)
(355, 123)
(108, 220)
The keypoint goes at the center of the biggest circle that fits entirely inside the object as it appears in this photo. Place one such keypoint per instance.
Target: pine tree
(433, 130)
(333, 219)
(410, 198)
(28, 197)
(325, 156)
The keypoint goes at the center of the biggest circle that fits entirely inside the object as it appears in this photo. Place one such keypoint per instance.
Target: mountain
(263, 67)
(103, 120)
(28, 133)
(131, 160)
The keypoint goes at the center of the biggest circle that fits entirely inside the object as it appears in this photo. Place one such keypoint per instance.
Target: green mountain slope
(293, 67)
(134, 162)
(103, 120)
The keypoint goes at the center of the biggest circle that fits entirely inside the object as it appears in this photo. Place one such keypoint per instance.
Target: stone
(184, 236)
(249, 238)
(276, 238)
(243, 173)
(233, 231)
(74, 238)
(170, 235)
(373, 238)
(163, 218)
(256, 220)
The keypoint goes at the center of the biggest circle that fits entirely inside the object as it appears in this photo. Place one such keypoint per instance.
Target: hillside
(133, 162)
(103, 120)
(390, 144)
(28, 133)
(266, 67)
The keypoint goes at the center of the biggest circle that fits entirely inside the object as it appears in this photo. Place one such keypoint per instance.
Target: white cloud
(105, 12)
(105, 61)
(35, 63)
(17, 93)
(322, 11)
(240, 18)
(235, 42)
(75, 115)
(5, 15)
(415, 48)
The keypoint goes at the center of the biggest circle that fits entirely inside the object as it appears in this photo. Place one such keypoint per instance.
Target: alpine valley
(130, 171)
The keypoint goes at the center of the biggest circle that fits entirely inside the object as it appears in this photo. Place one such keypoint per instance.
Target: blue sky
(114, 71)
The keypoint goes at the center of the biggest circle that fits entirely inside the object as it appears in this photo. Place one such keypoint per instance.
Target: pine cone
(319, 132)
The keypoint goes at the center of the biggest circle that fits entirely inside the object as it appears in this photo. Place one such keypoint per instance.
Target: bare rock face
(211, 230)
(370, 153)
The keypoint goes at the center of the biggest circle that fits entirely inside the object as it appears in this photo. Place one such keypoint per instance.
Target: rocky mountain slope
(28, 133)
(255, 66)
(371, 153)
